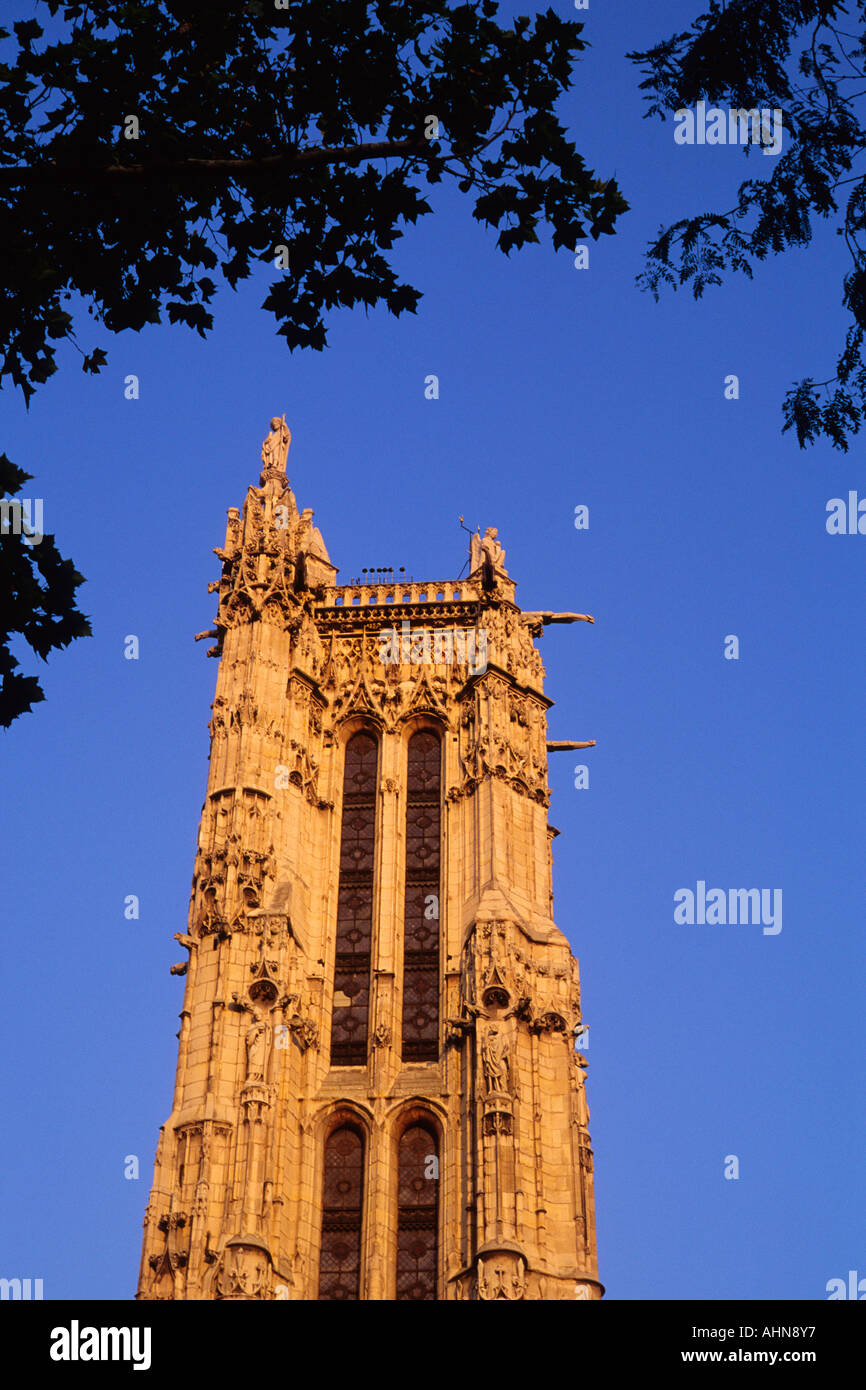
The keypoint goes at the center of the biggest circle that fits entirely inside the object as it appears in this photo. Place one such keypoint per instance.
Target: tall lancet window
(355, 903)
(342, 1206)
(421, 910)
(417, 1212)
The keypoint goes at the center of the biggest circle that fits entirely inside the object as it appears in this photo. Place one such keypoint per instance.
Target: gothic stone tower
(378, 1094)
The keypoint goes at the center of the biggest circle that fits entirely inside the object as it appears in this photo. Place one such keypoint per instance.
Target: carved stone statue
(495, 1060)
(492, 549)
(275, 448)
(256, 1041)
(581, 1106)
(485, 551)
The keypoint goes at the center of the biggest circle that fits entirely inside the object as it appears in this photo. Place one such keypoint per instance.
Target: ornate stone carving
(500, 963)
(163, 1285)
(501, 1275)
(273, 557)
(306, 1031)
(257, 1099)
(200, 1199)
(382, 1035)
(502, 734)
(302, 770)
(457, 1029)
(244, 1270)
(498, 1117)
(252, 868)
(550, 1022)
(219, 719)
(308, 650)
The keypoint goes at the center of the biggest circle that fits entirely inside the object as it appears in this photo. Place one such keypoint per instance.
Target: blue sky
(557, 387)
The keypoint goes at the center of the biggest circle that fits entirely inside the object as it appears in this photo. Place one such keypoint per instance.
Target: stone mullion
(235, 659)
(299, 1162)
(585, 1181)
(180, 1199)
(453, 1169)
(271, 1143)
(234, 1165)
(386, 991)
(539, 858)
(216, 1071)
(483, 798)
(183, 1037)
(284, 1169)
(310, 1068)
(482, 1190)
(242, 1218)
(197, 1044)
(258, 1122)
(309, 1150)
(379, 1250)
(589, 1219)
(297, 721)
(578, 1196)
(367, 1245)
(537, 1148)
(218, 771)
(466, 1139)
(522, 1223)
(484, 833)
(329, 898)
(273, 1185)
(383, 1016)
(198, 1224)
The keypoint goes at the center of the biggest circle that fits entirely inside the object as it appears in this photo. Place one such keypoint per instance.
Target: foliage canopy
(808, 59)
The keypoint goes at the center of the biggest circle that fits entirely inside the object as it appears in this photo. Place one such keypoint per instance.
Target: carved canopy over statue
(486, 551)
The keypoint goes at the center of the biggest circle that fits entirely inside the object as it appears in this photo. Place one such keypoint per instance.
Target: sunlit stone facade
(378, 1094)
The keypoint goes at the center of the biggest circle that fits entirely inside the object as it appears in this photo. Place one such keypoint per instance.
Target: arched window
(342, 1207)
(417, 1213)
(421, 910)
(355, 903)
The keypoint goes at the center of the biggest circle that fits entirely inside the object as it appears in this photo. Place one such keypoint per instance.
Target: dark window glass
(421, 904)
(342, 1201)
(355, 903)
(417, 1214)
